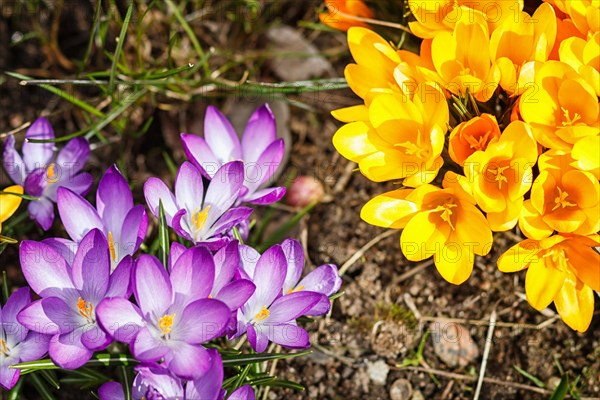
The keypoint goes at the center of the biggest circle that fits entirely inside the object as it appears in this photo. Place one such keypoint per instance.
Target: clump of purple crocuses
(177, 308)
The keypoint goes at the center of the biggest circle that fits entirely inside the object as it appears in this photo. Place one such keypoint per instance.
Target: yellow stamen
(3, 347)
(414, 149)
(446, 214)
(111, 246)
(296, 289)
(499, 172)
(51, 174)
(561, 200)
(85, 309)
(568, 120)
(165, 323)
(478, 144)
(262, 314)
(199, 218)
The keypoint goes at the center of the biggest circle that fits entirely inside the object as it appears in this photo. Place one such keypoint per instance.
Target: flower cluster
(173, 313)
(505, 105)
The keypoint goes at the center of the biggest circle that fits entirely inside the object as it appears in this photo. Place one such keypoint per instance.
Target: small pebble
(378, 371)
(401, 390)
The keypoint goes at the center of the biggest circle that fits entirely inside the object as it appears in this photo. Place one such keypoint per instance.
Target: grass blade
(279, 234)
(244, 359)
(41, 388)
(532, 378)
(163, 236)
(117, 55)
(98, 360)
(561, 390)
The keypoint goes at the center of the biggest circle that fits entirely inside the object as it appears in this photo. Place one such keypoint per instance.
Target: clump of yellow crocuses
(504, 106)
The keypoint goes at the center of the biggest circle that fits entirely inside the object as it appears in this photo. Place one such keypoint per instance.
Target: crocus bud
(304, 190)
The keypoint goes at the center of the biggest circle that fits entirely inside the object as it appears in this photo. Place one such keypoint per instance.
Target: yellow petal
(353, 141)
(351, 114)
(389, 210)
(575, 304)
(587, 153)
(518, 257)
(9, 203)
(531, 223)
(585, 261)
(473, 231)
(454, 262)
(422, 237)
(507, 218)
(542, 283)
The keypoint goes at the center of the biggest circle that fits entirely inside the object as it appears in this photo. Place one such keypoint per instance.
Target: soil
(383, 314)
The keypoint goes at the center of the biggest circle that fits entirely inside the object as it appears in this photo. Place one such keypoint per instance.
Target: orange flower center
(86, 309)
(262, 314)
(499, 175)
(557, 258)
(561, 200)
(414, 149)
(568, 121)
(199, 218)
(446, 212)
(296, 289)
(51, 174)
(480, 143)
(111, 246)
(3, 347)
(165, 323)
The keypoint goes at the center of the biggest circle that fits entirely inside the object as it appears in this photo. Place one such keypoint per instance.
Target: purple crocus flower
(270, 316)
(41, 173)
(323, 279)
(195, 214)
(123, 224)
(70, 295)
(243, 393)
(226, 287)
(17, 343)
(260, 150)
(174, 316)
(154, 382)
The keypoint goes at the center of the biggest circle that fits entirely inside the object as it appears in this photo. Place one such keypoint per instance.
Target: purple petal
(265, 196)
(201, 321)
(9, 376)
(36, 182)
(34, 347)
(189, 189)
(243, 393)
(200, 154)
(230, 219)
(223, 189)
(259, 133)
(111, 391)
(147, 348)
(236, 293)
(294, 254)
(80, 184)
(208, 386)
(120, 318)
(65, 247)
(269, 276)
(133, 230)
(151, 286)
(42, 212)
(72, 158)
(67, 350)
(323, 279)
(155, 191)
(156, 381)
(178, 227)
(264, 168)
(13, 163)
(288, 335)
(321, 308)
(291, 306)
(227, 262)
(120, 279)
(113, 199)
(38, 155)
(91, 266)
(175, 252)
(15, 303)
(77, 215)
(45, 269)
(188, 361)
(257, 338)
(95, 338)
(49, 316)
(220, 136)
(193, 274)
(249, 257)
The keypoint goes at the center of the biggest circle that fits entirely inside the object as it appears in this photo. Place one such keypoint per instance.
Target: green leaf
(23, 196)
(117, 56)
(98, 360)
(244, 359)
(163, 236)
(44, 392)
(532, 378)
(15, 393)
(561, 390)
(286, 384)
(4, 287)
(50, 376)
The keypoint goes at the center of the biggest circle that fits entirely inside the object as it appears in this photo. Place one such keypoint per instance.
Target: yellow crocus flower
(502, 174)
(395, 137)
(9, 202)
(584, 57)
(561, 269)
(443, 223)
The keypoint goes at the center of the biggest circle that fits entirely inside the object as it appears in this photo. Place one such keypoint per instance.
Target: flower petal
(229, 219)
(113, 199)
(91, 266)
(259, 133)
(77, 215)
(542, 283)
(262, 170)
(269, 276)
(220, 136)
(45, 270)
(294, 254)
(133, 231)
(454, 262)
(324, 279)
(193, 274)
(67, 351)
(227, 261)
(223, 189)
(111, 391)
(120, 318)
(243, 393)
(291, 306)
(155, 191)
(289, 336)
(120, 279)
(151, 286)
(147, 348)
(95, 338)
(188, 361)
(34, 346)
(38, 155)
(50, 316)
(257, 338)
(200, 154)
(13, 163)
(208, 386)
(72, 158)
(575, 304)
(201, 321)
(236, 293)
